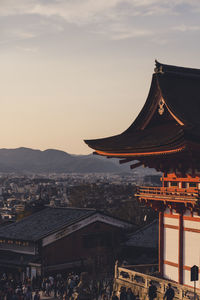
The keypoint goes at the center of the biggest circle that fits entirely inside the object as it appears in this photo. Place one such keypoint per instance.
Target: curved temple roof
(168, 123)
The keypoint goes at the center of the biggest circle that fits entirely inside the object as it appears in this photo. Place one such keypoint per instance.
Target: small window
(184, 185)
(174, 183)
(165, 184)
(192, 184)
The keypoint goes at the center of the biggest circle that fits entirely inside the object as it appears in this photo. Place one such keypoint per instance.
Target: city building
(166, 136)
(141, 246)
(56, 240)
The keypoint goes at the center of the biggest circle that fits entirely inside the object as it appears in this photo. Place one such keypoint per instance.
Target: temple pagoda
(166, 136)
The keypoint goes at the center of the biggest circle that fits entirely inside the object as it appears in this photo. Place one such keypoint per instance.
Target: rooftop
(168, 123)
(44, 222)
(146, 237)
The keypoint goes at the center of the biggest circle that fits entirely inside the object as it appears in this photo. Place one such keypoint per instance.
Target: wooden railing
(172, 194)
(140, 283)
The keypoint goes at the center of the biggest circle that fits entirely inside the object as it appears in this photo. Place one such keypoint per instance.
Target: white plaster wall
(191, 246)
(196, 215)
(187, 213)
(171, 245)
(191, 224)
(174, 212)
(170, 272)
(171, 221)
(186, 279)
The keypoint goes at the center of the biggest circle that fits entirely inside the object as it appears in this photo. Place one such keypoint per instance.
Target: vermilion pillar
(180, 250)
(161, 241)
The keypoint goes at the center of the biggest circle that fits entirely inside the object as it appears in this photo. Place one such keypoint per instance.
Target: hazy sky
(76, 69)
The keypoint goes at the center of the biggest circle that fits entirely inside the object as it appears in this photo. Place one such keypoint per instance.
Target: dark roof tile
(180, 89)
(44, 222)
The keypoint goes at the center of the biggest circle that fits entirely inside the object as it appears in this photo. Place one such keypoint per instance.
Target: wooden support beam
(136, 165)
(123, 161)
(161, 242)
(180, 249)
(95, 153)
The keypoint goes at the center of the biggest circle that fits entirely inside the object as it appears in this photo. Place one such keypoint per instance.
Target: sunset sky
(81, 69)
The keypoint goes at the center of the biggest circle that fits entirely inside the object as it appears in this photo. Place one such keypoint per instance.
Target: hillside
(51, 160)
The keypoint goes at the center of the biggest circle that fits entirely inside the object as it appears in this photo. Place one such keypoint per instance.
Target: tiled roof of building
(145, 237)
(44, 222)
(169, 122)
(142, 141)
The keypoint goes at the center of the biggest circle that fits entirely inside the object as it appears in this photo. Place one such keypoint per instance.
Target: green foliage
(115, 199)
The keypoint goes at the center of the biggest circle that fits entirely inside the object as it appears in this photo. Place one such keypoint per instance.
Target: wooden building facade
(166, 136)
(56, 240)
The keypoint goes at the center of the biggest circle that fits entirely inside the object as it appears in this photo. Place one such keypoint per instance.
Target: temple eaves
(168, 126)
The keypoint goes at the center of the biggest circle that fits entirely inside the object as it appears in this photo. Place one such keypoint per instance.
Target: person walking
(123, 294)
(130, 295)
(37, 296)
(169, 294)
(28, 295)
(152, 292)
(114, 296)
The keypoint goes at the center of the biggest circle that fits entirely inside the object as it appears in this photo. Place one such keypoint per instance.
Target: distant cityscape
(21, 195)
(109, 209)
(54, 220)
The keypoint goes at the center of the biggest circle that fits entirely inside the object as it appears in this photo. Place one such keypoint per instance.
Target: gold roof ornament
(161, 107)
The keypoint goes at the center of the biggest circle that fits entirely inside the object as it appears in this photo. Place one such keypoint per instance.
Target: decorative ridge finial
(159, 67)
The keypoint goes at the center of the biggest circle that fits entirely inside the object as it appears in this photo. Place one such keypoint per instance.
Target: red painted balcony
(168, 194)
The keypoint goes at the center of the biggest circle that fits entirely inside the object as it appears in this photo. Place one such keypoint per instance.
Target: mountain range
(55, 161)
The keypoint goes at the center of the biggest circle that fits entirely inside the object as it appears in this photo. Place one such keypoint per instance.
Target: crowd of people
(69, 287)
(152, 292)
(59, 286)
(127, 294)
